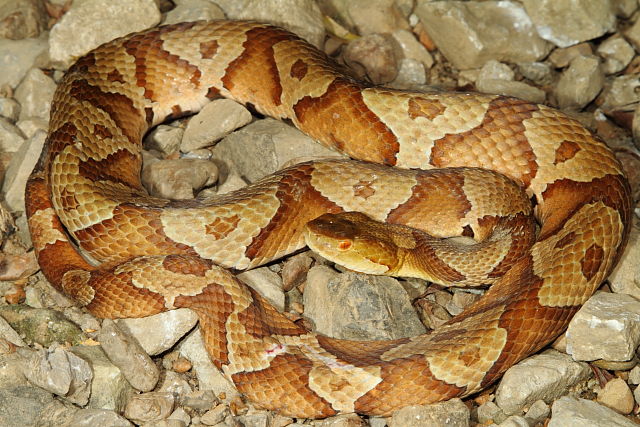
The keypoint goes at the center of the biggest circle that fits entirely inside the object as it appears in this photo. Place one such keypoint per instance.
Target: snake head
(355, 241)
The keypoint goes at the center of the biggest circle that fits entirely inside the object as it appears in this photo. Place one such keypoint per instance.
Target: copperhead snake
(142, 255)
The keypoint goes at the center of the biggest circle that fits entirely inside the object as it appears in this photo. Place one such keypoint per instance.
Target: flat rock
(108, 19)
(19, 169)
(18, 56)
(606, 327)
(267, 283)
(10, 109)
(470, 33)
(357, 306)
(35, 93)
(125, 352)
(216, 120)
(511, 88)
(568, 22)
(544, 376)
(11, 137)
(571, 412)
(178, 179)
(149, 407)
(42, 326)
(22, 405)
(621, 92)
(452, 413)
(92, 417)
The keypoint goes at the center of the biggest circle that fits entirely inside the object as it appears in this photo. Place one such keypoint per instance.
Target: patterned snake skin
(143, 255)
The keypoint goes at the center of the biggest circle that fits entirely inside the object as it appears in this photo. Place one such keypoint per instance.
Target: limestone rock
(453, 413)
(17, 57)
(570, 412)
(35, 93)
(580, 83)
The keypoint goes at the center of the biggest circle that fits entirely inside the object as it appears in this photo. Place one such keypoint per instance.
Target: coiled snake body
(149, 255)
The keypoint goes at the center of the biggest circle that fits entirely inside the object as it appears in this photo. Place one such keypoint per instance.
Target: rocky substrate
(60, 366)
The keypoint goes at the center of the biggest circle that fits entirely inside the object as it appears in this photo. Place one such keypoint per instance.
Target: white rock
(580, 83)
(606, 327)
(412, 48)
(9, 108)
(572, 412)
(215, 121)
(35, 93)
(30, 125)
(544, 376)
(267, 283)
(11, 137)
(625, 278)
(89, 417)
(107, 19)
(617, 54)
(19, 169)
(149, 407)
(193, 10)
(18, 56)
(452, 413)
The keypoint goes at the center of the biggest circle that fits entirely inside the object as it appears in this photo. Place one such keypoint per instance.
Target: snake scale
(119, 252)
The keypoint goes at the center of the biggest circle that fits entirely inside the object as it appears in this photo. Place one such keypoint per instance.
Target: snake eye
(344, 245)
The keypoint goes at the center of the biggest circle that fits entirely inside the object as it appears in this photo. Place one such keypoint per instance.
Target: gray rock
(511, 88)
(412, 48)
(18, 56)
(90, 417)
(178, 179)
(9, 334)
(12, 368)
(215, 121)
(193, 10)
(374, 55)
(215, 415)
(200, 400)
(357, 306)
(606, 327)
(160, 332)
(617, 54)
(562, 57)
(11, 137)
(165, 139)
(538, 72)
(544, 376)
(125, 352)
(515, 421)
(452, 413)
(35, 93)
(149, 407)
(10, 109)
(19, 169)
(30, 125)
(265, 146)
(267, 283)
(302, 17)
(616, 395)
(60, 372)
(571, 412)
(538, 412)
(110, 389)
(580, 83)
(377, 16)
(107, 19)
(411, 75)
(175, 384)
(22, 406)
(42, 326)
(568, 22)
(209, 378)
(620, 92)
(490, 412)
(470, 33)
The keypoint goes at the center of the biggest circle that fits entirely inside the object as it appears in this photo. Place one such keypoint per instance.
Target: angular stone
(178, 179)
(538, 412)
(19, 169)
(10, 109)
(571, 412)
(42, 326)
(35, 93)
(625, 278)
(511, 88)
(452, 413)
(617, 54)
(11, 138)
(18, 56)
(606, 327)
(165, 139)
(149, 407)
(193, 10)
(21, 19)
(374, 55)
(617, 395)
(568, 22)
(23, 403)
(562, 57)
(544, 376)
(267, 283)
(621, 92)
(470, 33)
(158, 333)
(215, 121)
(412, 48)
(125, 352)
(357, 306)
(108, 19)
(90, 417)
(580, 83)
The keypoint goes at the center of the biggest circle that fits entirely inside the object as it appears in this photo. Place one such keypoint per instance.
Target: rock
(515, 421)
(18, 56)
(178, 179)
(35, 93)
(216, 120)
(180, 415)
(544, 376)
(538, 412)
(175, 384)
(294, 270)
(411, 75)
(634, 375)
(452, 413)
(606, 327)
(19, 169)
(90, 417)
(302, 17)
(21, 19)
(9, 334)
(10, 109)
(158, 333)
(412, 48)
(624, 8)
(110, 389)
(344, 420)
(374, 55)
(42, 326)
(489, 412)
(636, 395)
(165, 139)
(22, 406)
(562, 57)
(580, 83)
(60, 372)
(635, 128)
(511, 88)
(470, 33)
(108, 19)
(568, 22)
(357, 306)
(193, 10)
(617, 396)
(125, 352)
(621, 92)
(200, 400)
(625, 278)
(267, 283)
(215, 415)
(617, 54)
(377, 16)
(570, 412)
(264, 146)
(495, 70)
(149, 407)
(11, 137)
(633, 34)
(209, 378)
(30, 125)
(12, 368)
